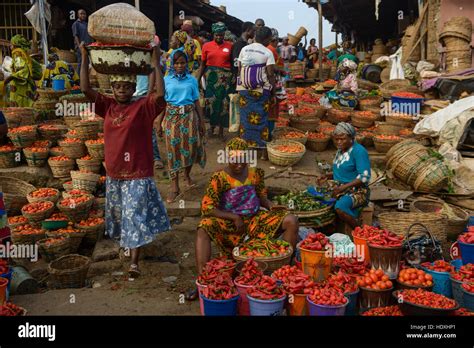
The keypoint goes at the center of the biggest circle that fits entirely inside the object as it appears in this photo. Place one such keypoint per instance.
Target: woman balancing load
(135, 213)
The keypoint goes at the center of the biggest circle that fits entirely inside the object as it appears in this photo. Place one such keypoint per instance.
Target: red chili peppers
(467, 238)
(366, 231)
(438, 266)
(328, 297)
(465, 273)
(350, 265)
(469, 287)
(315, 241)
(266, 289)
(386, 239)
(341, 282)
(426, 298)
(10, 310)
(250, 273)
(389, 311)
(222, 288)
(214, 268)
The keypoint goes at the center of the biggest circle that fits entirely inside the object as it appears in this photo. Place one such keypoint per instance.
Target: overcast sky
(284, 15)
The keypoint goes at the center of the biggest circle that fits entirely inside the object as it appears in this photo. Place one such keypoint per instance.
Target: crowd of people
(190, 85)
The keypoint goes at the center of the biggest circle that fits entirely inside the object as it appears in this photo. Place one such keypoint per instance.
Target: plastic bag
(342, 245)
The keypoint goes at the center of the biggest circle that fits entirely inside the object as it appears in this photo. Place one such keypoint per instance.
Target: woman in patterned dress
(183, 123)
(231, 210)
(351, 172)
(58, 68)
(135, 213)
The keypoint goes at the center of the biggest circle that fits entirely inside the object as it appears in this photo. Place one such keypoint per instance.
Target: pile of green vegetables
(300, 201)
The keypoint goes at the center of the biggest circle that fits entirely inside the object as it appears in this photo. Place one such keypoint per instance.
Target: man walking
(80, 34)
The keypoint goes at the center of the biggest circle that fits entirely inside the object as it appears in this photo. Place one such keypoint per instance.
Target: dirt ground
(159, 290)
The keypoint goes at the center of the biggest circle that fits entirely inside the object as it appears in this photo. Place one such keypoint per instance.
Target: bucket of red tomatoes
(385, 250)
(423, 302)
(375, 289)
(327, 301)
(440, 271)
(266, 298)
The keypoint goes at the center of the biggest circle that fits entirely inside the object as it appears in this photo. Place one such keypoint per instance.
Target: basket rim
(53, 270)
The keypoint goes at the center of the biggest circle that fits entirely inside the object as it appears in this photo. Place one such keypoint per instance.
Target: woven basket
(14, 193)
(89, 165)
(280, 132)
(35, 218)
(52, 252)
(383, 128)
(433, 177)
(371, 101)
(79, 212)
(53, 199)
(54, 153)
(71, 121)
(383, 145)
(457, 26)
(97, 151)
(398, 223)
(362, 122)
(305, 124)
(318, 145)
(393, 86)
(74, 238)
(296, 69)
(24, 139)
(87, 130)
(53, 134)
(36, 159)
(400, 121)
(283, 158)
(68, 187)
(19, 116)
(27, 239)
(10, 159)
(85, 181)
(73, 150)
(403, 164)
(320, 111)
(61, 169)
(69, 271)
(335, 116)
(50, 94)
(92, 234)
(273, 263)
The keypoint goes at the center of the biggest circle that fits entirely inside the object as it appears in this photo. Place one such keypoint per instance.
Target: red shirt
(217, 55)
(127, 135)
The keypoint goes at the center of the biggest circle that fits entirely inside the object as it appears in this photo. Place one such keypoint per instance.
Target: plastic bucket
(467, 252)
(468, 299)
(58, 85)
(362, 243)
(323, 310)
(369, 298)
(411, 106)
(216, 308)
(266, 307)
(456, 264)
(243, 303)
(296, 305)
(351, 306)
(8, 276)
(441, 282)
(456, 286)
(3, 290)
(200, 291)
(388, 259)
(316, 264)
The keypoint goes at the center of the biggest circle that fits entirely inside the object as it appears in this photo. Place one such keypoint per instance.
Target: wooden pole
(320, 13)
(137, 4)
(171, 18)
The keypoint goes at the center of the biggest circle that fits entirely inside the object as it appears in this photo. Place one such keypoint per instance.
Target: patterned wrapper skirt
(219, 84)
(254, 109)
(184, 144)
(223, 232)
(135, 213)
(353, 201)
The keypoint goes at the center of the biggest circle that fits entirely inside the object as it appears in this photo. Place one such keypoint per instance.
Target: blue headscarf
(172, 71)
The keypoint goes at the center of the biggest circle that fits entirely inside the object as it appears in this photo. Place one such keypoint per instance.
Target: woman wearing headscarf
(183, 123)
(180, 40)
(351, 174)
(345, 93)
(58, 69)
(216, 68)
(22, 85)
(231, 209)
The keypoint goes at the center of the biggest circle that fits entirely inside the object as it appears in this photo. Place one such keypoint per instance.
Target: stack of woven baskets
(418, 166)
(456, 37)
(378, 50)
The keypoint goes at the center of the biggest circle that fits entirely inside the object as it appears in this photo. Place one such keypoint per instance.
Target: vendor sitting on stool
(351, 172)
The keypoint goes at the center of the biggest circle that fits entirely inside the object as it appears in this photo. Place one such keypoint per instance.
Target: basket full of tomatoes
(76, 208)
(37, 211)
(53, 248)
(43, 194)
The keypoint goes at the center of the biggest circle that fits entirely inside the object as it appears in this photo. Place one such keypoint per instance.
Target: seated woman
(345, 93)
(351, 171)
(231, 210)
(58, 68)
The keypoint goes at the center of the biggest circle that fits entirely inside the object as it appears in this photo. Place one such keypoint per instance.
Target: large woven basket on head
(69, 271)
(23, 139)
(97, 151)
(14, 193)
(456, 217)
(53, 199)
(398, 223)
(318, 144)
(85, 181)
(283, 158)
(73, 150)
(53, 251)
(273, 262)
(306, 124)
(61, 169)
(36, 159)
(383, 145)
(335, 116)
(92, 166)
(77, 212)
(10, 159)
(281, 132)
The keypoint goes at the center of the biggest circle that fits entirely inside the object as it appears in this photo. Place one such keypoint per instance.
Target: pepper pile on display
(389, 311)
(213, 269)
(315, 242)
(351, 265)
(10, 310)
(366, 232)
(386, 239)
(426, 298)
(341, 282)
(439, 266)
(467, 238)
(465, 273)
(266, 289)
(250, 274)
(328, 297)
(264, 247)
(221, 288)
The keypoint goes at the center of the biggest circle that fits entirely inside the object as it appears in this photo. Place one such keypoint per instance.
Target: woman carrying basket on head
(135, 213)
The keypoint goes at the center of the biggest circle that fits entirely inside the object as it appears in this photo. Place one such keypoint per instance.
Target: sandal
(174, 198)
(191, 295)
(133, 272)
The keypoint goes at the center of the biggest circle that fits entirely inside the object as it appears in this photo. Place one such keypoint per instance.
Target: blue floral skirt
(134, 212)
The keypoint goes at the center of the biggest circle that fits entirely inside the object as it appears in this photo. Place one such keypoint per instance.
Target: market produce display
(57, 217)
(44, 192)
(351, 265)
(426, 298)
(37, 207)
(388, 311)
(469, 287)
(301, 201)
(48, 242)
(294, 280)
(313, 135)
(315, 242)
(415, 277)
(407, 95)
(11, 310)
(328, 296)
(250, 274)
(266, 289)
(287, 148)
(438, 266)
(264, 247)
(341, 282)
(463, 312)
(465, 273)
(366, 232)
(74, 201)
(386, 239)
(214, 268)
(27, 229)
(20, 219)
(221, 288)
(375, 280)
(467, 238)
